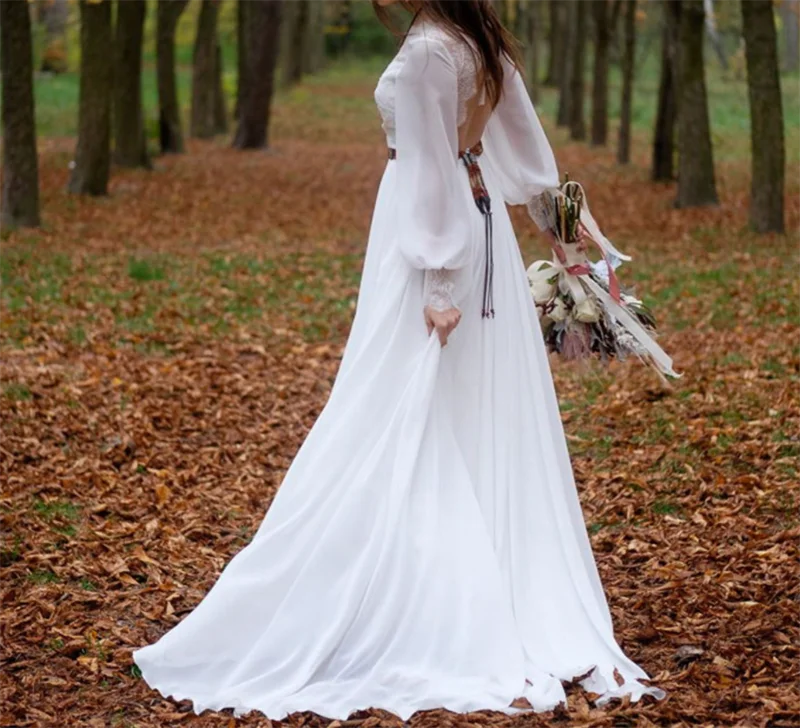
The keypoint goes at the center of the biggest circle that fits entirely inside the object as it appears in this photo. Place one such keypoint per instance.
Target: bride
(426, 548)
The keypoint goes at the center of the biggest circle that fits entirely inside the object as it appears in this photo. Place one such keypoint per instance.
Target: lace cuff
(439, 288)
(542, 210)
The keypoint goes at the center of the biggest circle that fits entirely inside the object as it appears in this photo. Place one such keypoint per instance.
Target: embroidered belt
(483, 202)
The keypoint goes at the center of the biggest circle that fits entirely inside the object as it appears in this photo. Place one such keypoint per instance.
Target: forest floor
(165, 350)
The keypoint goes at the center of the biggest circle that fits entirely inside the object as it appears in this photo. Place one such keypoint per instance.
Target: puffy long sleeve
(520, 151)
(433, 224)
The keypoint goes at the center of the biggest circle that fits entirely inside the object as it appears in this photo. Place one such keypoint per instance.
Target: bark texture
(555, 59)
(526, 28)
(578, 50)
(766, 117)
(295, 22)
(696, 181)
(664, 136)
(130, 144)
(169, 110)
(19, 197)
(93, 154)
(204, 72)
(314, 59)
(242, 64)
(54, 16)
(628, 70)
(602, 39)
(261, 44)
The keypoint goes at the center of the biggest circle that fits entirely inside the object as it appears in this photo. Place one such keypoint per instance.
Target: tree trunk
(19, 197)
(295, 35)
(664, 137)
(602, 39)
(220, 102)
(565, 74)
(555, 42)
(696, 184)
(315, 37)
(169, 110)
(525, 28)
(204, 72)
(243, 8)
(790, 18)
(628, 61)
(130, 144)
(54, 15)
(766, 117)
(262, 42)
(93, 154)
(578, 49)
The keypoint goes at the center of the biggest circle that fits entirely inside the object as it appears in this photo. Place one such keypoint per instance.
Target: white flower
(541, 287)
(587, 311)
(558, 312)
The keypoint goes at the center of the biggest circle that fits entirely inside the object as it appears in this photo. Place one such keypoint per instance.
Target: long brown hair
(470, 20)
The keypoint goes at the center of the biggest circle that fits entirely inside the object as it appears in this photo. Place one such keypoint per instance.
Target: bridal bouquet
(582, 308)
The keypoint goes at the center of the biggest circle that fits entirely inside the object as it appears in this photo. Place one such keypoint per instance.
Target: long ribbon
(574, 278)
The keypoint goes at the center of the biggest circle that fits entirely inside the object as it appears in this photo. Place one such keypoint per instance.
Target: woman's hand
(443, 321)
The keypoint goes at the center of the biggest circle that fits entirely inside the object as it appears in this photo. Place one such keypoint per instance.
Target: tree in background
(54, 16)
(604, 14)
(314, 58)
(628, 65)
(577, 118)
(663, 169)
(526, 28)
(565, 74)
(294, 41)
(696, 182)
(92, 156)
(555, 59)
(790, 19)
(260, 41)
(242, 56)
(19, 198)
(130, 143)
(766, 116)
(168, 12)
(205, 73)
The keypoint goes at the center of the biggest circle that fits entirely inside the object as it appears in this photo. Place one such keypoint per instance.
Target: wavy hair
(471, 20)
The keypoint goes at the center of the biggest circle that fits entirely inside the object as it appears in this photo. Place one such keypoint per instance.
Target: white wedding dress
(427, 547)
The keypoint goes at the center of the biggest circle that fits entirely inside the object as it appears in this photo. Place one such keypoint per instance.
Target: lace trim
(542, 210)
(439, 289)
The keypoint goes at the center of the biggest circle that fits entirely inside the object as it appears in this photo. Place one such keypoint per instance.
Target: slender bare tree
(696, 181)
(261, 42)
(130, 143)
(628, 71)
(19, 196)
(205, 72)
(93, 154)
(664, 137)
(169, 110)
(577, 83)
(766, 117)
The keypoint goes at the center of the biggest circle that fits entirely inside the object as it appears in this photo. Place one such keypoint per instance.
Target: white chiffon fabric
(427, 547)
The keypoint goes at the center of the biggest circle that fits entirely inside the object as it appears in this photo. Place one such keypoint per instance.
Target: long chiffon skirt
(426, 548)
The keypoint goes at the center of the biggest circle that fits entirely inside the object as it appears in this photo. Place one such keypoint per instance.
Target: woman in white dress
(427, 548)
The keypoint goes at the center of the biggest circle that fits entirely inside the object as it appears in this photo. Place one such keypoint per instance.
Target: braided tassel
(484, 204)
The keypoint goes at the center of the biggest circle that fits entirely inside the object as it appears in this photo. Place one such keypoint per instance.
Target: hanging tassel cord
(484, 204)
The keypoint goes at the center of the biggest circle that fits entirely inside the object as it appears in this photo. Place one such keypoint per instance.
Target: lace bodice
(463, 60)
